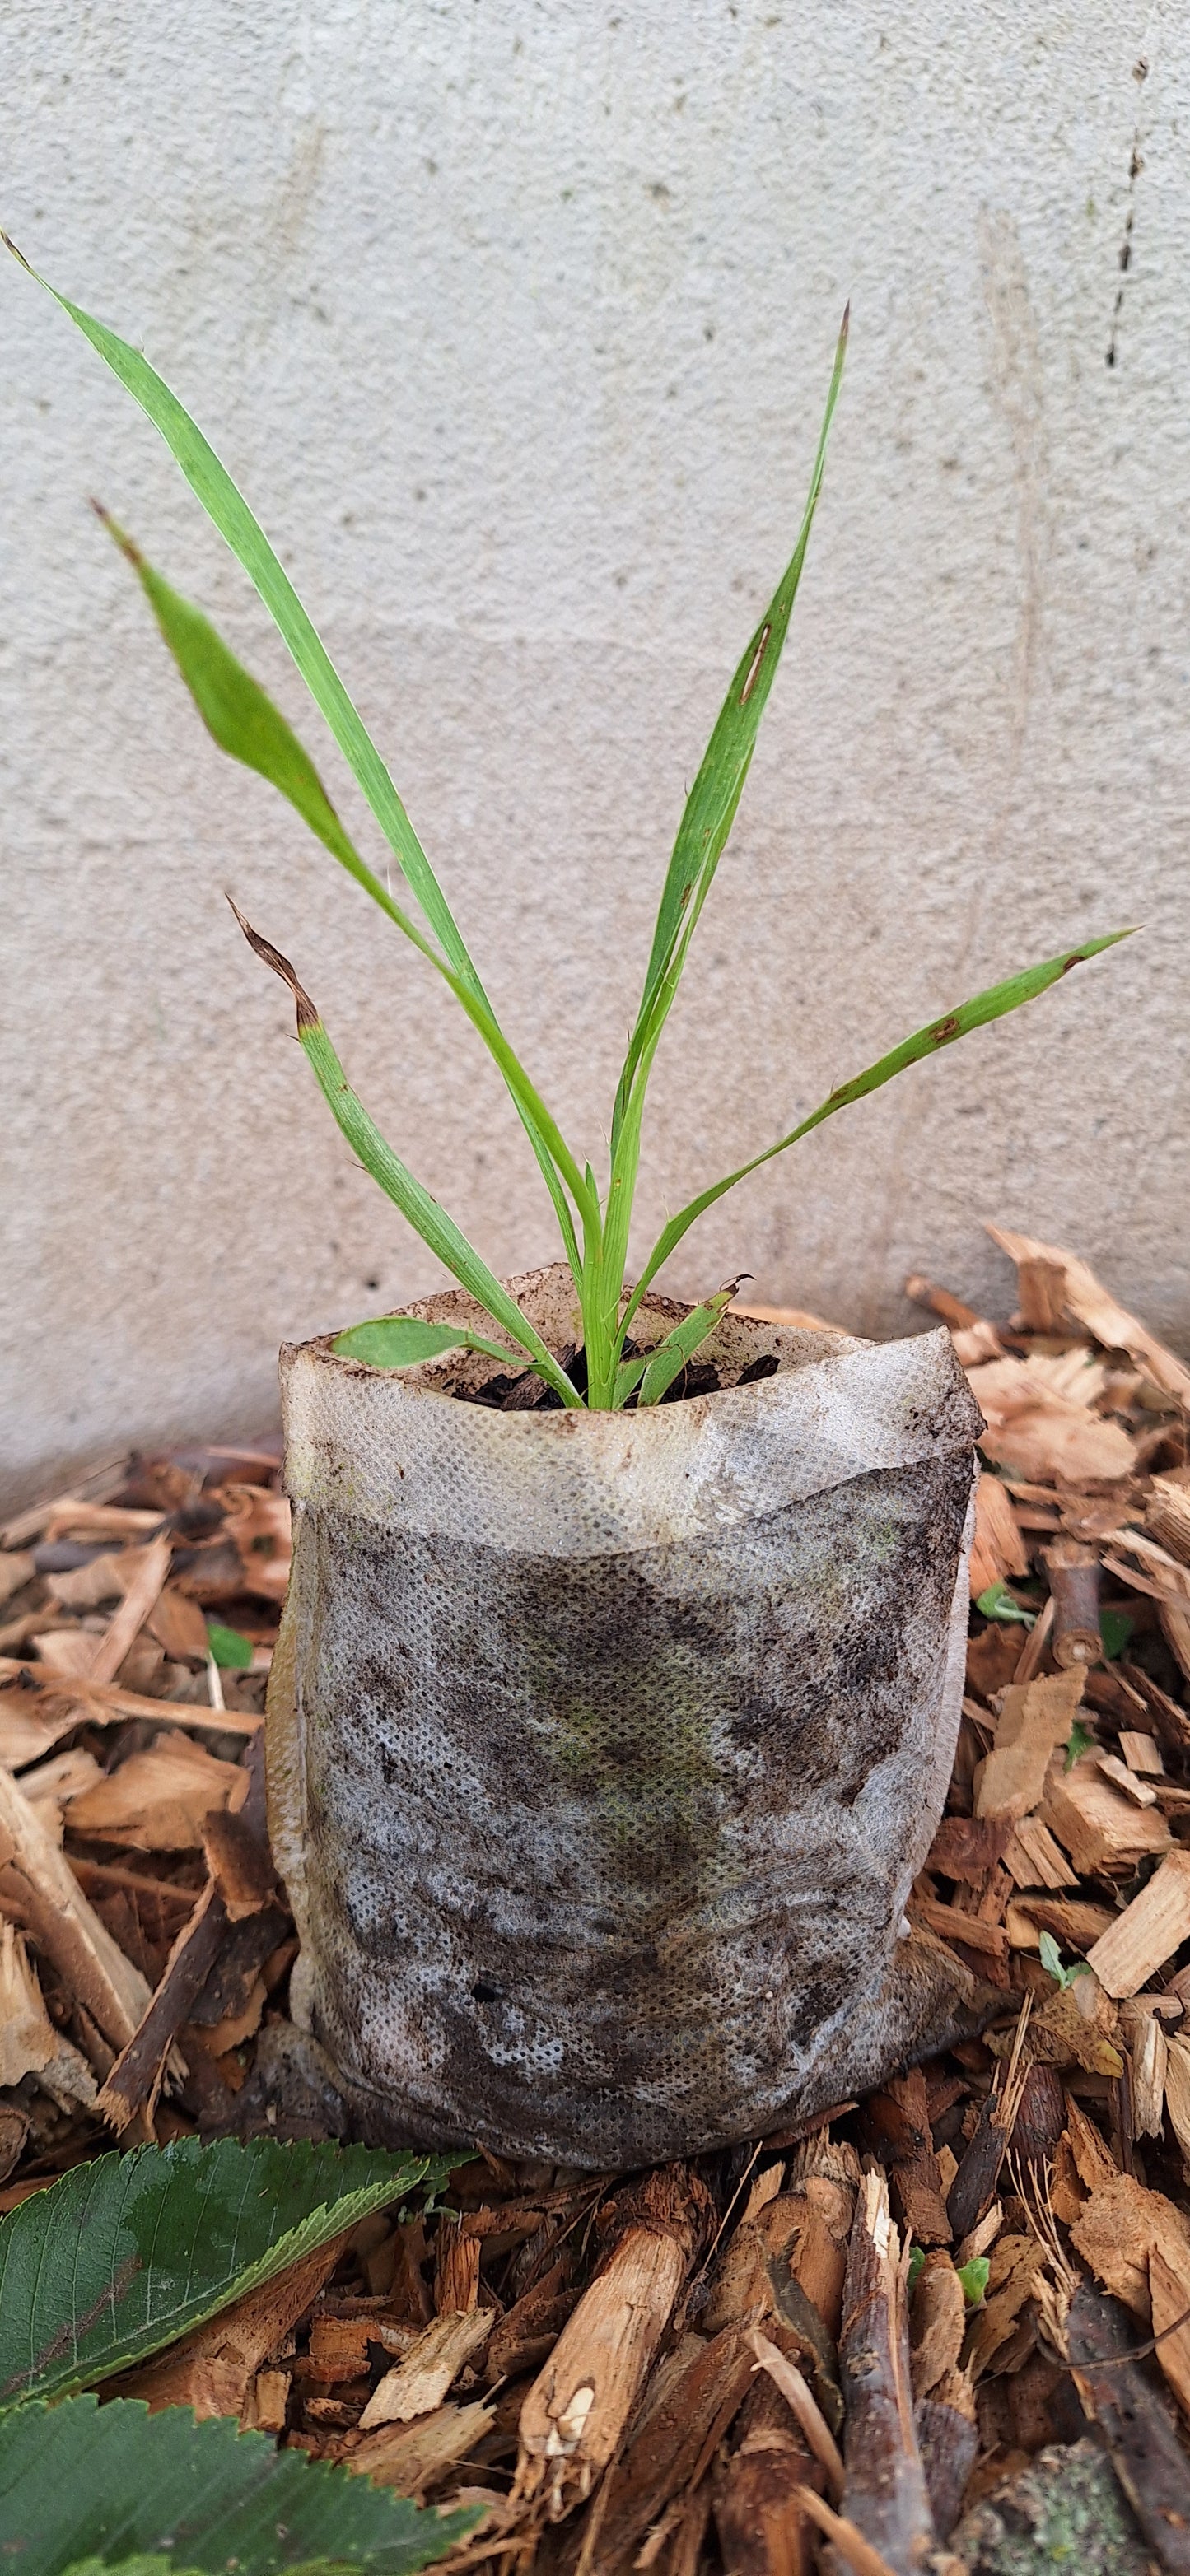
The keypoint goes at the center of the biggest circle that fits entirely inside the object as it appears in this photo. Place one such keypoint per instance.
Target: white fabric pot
(603, 1748)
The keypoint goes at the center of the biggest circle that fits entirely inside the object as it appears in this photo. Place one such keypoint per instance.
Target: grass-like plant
(593, 1219)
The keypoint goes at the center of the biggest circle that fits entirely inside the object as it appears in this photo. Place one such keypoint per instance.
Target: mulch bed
(701, 2368)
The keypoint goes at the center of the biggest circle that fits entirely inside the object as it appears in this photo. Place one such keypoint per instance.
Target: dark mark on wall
(1140, 73)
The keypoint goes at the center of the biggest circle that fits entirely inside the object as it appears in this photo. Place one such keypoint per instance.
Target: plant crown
(594, 1223)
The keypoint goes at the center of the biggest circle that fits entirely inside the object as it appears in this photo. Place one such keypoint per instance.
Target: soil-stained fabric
(604, 1749)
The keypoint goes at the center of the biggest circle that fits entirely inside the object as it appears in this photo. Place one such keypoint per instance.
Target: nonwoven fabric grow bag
(603, 1748)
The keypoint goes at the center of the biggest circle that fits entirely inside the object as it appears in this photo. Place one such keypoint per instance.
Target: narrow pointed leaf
(992, 1004)
(84, 2482)
(244, 722)
(237, 712)
(423, 1213)
(226, 507)
(403, 1341)
(711, 805)
(125, 2254)
(668, 1357)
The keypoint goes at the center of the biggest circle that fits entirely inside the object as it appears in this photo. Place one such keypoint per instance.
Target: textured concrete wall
(515, 321)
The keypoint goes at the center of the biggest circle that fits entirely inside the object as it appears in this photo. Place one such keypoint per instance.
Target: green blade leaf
(236, 711)
(82, 2481)
(225, 505)
(711, 805)
(125, 2254)
(423, 1213)
(230, 514)
(671, 1355)
(402, 1341)
(992, 1004)
(245, 724)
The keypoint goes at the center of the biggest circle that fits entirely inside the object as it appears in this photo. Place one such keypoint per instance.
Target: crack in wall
(1140, 73)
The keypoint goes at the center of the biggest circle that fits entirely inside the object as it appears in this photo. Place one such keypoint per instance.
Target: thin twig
(786, 2376)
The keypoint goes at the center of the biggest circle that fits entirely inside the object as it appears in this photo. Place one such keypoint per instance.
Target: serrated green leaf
(83, 2482)
(403, 1341)
(231, 1651)
(125, 2254)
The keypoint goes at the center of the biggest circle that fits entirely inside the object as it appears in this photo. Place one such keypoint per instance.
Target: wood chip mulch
(702, 2368)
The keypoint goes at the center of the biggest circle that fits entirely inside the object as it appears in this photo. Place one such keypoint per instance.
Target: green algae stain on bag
(604, 1749)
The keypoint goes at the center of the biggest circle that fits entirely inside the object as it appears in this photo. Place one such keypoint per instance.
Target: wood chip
(787, 2377)
(1177, 2090)
(66, 1650)
(967, 1847)
(158, 1800)
(997, 1548)
(127, 1622)
(1141, 1754)
(414, 2457)
(1072, 1920)
(952, 1924)
(1150, 2058)
(1091, 1304)
(29, 2043)
(1033, 1857)
(1100, 1828)
(179, 1626)
(1033, 1720)
(66, 1928)
(1169, 2292)
(1148, 1931)
(1036, 1432)
(1116, 2234)
(885, 2494)
(16, 1570)
(419, 2383)
(576, 2413)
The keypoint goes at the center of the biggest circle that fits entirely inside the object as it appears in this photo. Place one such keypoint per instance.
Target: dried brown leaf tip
(307, 1016)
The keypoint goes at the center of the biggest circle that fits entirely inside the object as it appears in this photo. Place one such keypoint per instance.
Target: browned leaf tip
(307, 1016)
(9, 244)
(116, 532)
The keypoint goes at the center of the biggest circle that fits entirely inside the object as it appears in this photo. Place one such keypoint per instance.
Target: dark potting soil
(525, 1392)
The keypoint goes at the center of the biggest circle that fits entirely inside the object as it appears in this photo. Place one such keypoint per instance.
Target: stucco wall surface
(514, 321)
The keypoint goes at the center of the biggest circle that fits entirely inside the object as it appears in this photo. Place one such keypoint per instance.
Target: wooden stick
(134, 2079)
(106, 1702)
(885, 2493)
(850, 2543)
(786, 2376)
(580, 2405)
(91, 1965)
(125, 1624)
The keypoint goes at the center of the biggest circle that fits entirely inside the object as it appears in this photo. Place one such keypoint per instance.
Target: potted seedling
(617, 1688)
